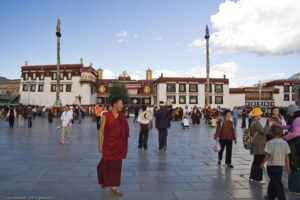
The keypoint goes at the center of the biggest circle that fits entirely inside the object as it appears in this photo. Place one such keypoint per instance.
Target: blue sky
(132, 35)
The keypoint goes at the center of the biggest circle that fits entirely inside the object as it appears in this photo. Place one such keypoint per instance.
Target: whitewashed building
(190, 92)
(77, 85)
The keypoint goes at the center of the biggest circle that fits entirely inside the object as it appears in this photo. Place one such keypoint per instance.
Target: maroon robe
(115, 148)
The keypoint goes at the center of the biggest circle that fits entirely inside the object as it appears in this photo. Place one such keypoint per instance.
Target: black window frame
(184, 100)
(173, 97)
(193, 97)
(284, 97)
(288, 90)
(193, 84)
(174, 84)
(32, 88)
(222, 101)
(182, 84)
(53, 88)
(69, 85)
(39, 88)
(219, 91)
(25, 88)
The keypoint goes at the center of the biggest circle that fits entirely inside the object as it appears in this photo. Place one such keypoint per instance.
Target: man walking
(145, 121)
(66, 123)
(162, 124)
(98, 115)
(113, 145)
(20, 113)
(235, 116)
(29, 116)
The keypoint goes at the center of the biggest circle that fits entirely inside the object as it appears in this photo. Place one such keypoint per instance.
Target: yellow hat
(256, 112)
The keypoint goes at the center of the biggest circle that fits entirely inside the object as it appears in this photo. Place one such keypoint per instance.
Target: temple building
(140, 91)
(85, 86)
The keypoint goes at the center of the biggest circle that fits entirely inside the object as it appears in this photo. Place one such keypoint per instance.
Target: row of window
(53, 76)
(171, 87)
(193, 99)
(286, 89)
(41, 88)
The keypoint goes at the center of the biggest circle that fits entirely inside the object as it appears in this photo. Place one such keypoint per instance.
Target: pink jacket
(295, 129)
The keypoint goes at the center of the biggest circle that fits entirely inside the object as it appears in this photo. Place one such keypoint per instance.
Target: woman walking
(257, 148)
(11, 115)
(225, 135)
(293, 139)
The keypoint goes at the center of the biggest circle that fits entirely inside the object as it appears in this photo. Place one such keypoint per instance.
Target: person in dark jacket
(29, 116)
(225, 134)
(162, 124)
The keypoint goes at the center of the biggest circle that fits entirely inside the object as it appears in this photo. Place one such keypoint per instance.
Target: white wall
(279, 98)
(236, 100)
(47, 98)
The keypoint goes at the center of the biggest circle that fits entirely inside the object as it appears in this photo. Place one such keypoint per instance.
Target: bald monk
(113, 147)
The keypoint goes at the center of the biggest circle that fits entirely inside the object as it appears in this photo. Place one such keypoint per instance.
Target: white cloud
(108, 74)
(177, 43)
(158, 38)
(216, 71)
(257, 26)
(197, 43)
(135, 36)
(121, 34)
(234, 84)
(121, 40)
(277, 75)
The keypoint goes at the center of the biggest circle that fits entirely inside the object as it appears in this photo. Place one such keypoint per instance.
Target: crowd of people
(277, 142)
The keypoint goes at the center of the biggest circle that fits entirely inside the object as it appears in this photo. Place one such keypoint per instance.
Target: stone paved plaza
(33, 165)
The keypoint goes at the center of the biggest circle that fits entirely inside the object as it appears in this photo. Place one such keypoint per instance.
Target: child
(213, 122)
(185, 123)
(277, 151)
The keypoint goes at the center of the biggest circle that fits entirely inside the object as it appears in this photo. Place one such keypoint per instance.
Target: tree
(118, 90)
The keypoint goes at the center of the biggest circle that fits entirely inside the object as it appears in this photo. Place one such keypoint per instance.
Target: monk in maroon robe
(114, 147)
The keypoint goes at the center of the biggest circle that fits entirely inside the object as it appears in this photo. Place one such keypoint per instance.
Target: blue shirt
(235, 113)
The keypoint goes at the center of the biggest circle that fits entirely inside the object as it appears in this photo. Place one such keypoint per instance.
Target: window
(182, 100)
(293, 89)
(69, 76)
(210, 87)
(54, 76)
(171, 87)
(218, 100)
(92, 89)
(34, 76)
(61, 88)
(210, 99)
(41, 88)
(25, 88)
(193, 99)
(182, 88)
(286, 97)
(218, 88)
(68, 88)
(41, 76)
(61, 76)
(26, 76)
(171, 99)
(32, 88)
(155, 90)
(193, 88)
(53, 88)
(286, 88)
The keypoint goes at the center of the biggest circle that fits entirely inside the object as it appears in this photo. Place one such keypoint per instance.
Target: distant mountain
(3, 79)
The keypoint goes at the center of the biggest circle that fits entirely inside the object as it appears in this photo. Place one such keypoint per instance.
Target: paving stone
(33, 163)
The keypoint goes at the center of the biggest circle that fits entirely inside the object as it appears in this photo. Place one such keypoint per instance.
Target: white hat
(146, 115)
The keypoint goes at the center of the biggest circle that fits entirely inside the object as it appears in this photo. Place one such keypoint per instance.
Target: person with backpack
(258, 143)
(225, 134)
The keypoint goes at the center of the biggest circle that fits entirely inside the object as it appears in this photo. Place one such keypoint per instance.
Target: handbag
(217, 147)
